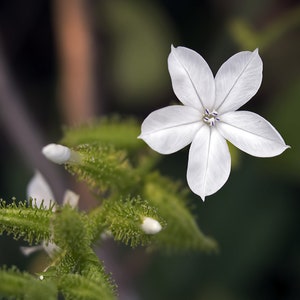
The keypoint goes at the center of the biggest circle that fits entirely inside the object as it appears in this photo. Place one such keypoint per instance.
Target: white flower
(208, 117)
(60, 154)
(150, 226)
(40, 192)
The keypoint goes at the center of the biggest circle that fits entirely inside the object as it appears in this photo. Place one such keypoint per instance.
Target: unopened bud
(60, 154)
(150, 226)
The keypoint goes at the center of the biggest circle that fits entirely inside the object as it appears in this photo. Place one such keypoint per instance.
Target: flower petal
(70, 198)
(209, 162)
(171, 128)
(50, 248)
(192, 79)
(238, 80)
(39, 190)
(28, 250)
(251, 133)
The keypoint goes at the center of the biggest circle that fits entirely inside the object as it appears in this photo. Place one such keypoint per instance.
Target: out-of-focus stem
(76, 61)
(75, 50)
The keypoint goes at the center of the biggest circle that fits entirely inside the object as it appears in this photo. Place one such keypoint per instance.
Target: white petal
(50, 248)
(58, 154)
(39, 190)
(209, 162)
(171, 128)
(31, 249)
(238, 80)
(71, 198)
(192, 79)
(251, 133)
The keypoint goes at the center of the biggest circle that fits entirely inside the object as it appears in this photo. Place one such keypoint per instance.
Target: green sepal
(25, 220)
(103, 168)
(122, 218)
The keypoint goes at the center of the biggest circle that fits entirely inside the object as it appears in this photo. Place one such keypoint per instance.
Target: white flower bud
(60, 154)
(150, 226)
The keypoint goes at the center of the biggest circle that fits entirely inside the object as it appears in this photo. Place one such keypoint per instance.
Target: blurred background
(66, 62)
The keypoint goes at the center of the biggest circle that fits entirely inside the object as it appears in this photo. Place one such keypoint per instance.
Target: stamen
(210, 118)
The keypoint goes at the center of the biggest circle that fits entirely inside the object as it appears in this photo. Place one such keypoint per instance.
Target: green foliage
(17, 285)
(123, 218)
(70, 232)
(118, 168)
(108, 131)
(182, 232)
(289, 163)
(248, 38)
(74, 264)
(76, 287)
(86, 280)
(137, 30)
(21, 219)
(103, 167)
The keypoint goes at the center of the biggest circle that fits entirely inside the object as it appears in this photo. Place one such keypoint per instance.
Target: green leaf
(107, 131)
(78, 287)
(17, 285)
(182, 231)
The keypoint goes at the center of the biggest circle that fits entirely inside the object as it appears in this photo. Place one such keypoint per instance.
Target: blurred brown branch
(76, 60)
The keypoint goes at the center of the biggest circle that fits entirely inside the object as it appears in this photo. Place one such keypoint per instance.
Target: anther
(210, 117)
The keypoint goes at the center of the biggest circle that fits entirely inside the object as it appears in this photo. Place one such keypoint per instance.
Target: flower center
(210, 118)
